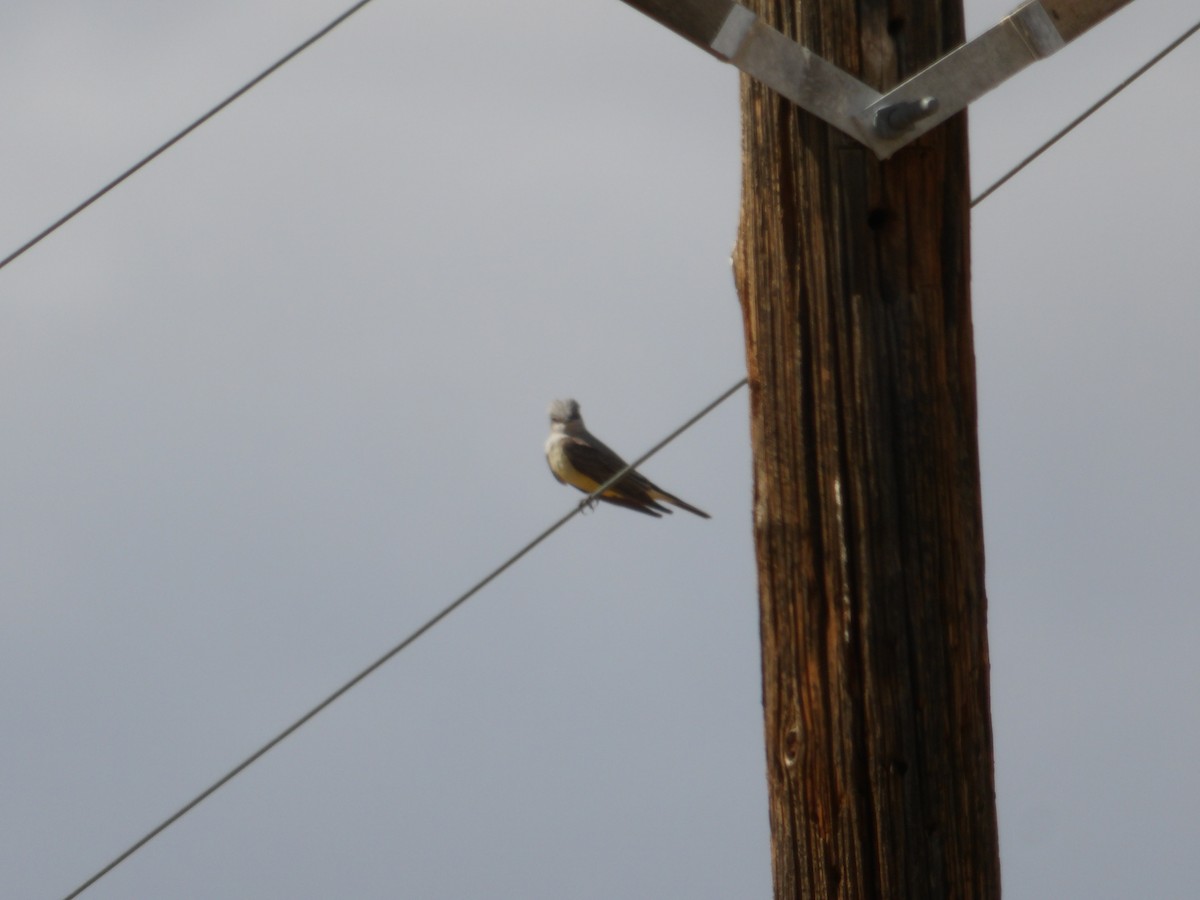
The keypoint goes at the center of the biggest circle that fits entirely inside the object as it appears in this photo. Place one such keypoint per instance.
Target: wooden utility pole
(854, 280)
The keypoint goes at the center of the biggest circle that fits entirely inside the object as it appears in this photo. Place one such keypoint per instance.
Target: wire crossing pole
(854, 278)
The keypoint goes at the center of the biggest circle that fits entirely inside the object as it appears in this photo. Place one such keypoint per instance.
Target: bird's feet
(587, 504)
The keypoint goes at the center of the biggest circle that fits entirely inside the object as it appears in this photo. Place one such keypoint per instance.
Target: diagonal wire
(162, 148)
(411, 638)
(288, 57)
(1086, 113)
(512, 560)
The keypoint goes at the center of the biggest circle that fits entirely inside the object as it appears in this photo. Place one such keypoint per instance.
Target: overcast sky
(281, 396)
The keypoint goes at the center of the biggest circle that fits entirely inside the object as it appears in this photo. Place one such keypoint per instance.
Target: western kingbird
(581, 460)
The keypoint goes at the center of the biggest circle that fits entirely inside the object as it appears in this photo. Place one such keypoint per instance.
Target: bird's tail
(672, 499)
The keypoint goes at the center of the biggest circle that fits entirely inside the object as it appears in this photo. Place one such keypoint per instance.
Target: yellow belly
(561, 466)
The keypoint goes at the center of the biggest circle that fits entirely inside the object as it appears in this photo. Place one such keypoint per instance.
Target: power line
(286, 58)
(459, 601)
(1086, 113)
(300, 48)
(495, 573)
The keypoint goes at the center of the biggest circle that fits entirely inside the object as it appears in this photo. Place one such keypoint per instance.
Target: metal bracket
(794, 71)
(883, 122)
(961, 77)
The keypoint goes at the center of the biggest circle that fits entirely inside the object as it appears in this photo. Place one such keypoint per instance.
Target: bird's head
(564, 412)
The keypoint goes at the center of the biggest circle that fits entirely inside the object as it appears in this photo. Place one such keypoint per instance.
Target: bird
(580, 459)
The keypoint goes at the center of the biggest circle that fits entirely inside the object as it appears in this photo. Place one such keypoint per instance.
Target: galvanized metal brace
(884, 122)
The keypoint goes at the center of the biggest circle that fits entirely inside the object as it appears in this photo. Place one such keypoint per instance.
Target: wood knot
(791, 746)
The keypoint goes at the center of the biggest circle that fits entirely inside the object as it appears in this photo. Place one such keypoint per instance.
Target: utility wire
(1091, 109)
(288, 57)
(279, 63)
(495, 573)
(462, 598)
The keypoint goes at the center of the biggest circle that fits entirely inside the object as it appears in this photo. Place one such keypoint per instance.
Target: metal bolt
(892, 121)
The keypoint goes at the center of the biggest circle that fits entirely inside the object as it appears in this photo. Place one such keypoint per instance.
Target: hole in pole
(879, 218)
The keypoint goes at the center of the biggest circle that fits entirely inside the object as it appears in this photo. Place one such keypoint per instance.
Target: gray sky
(281, 396)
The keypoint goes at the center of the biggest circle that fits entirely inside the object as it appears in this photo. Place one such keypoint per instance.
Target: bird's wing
(592, 458)
(596, 460)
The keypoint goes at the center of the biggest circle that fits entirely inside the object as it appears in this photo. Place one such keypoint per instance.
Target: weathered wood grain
(854, 279)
